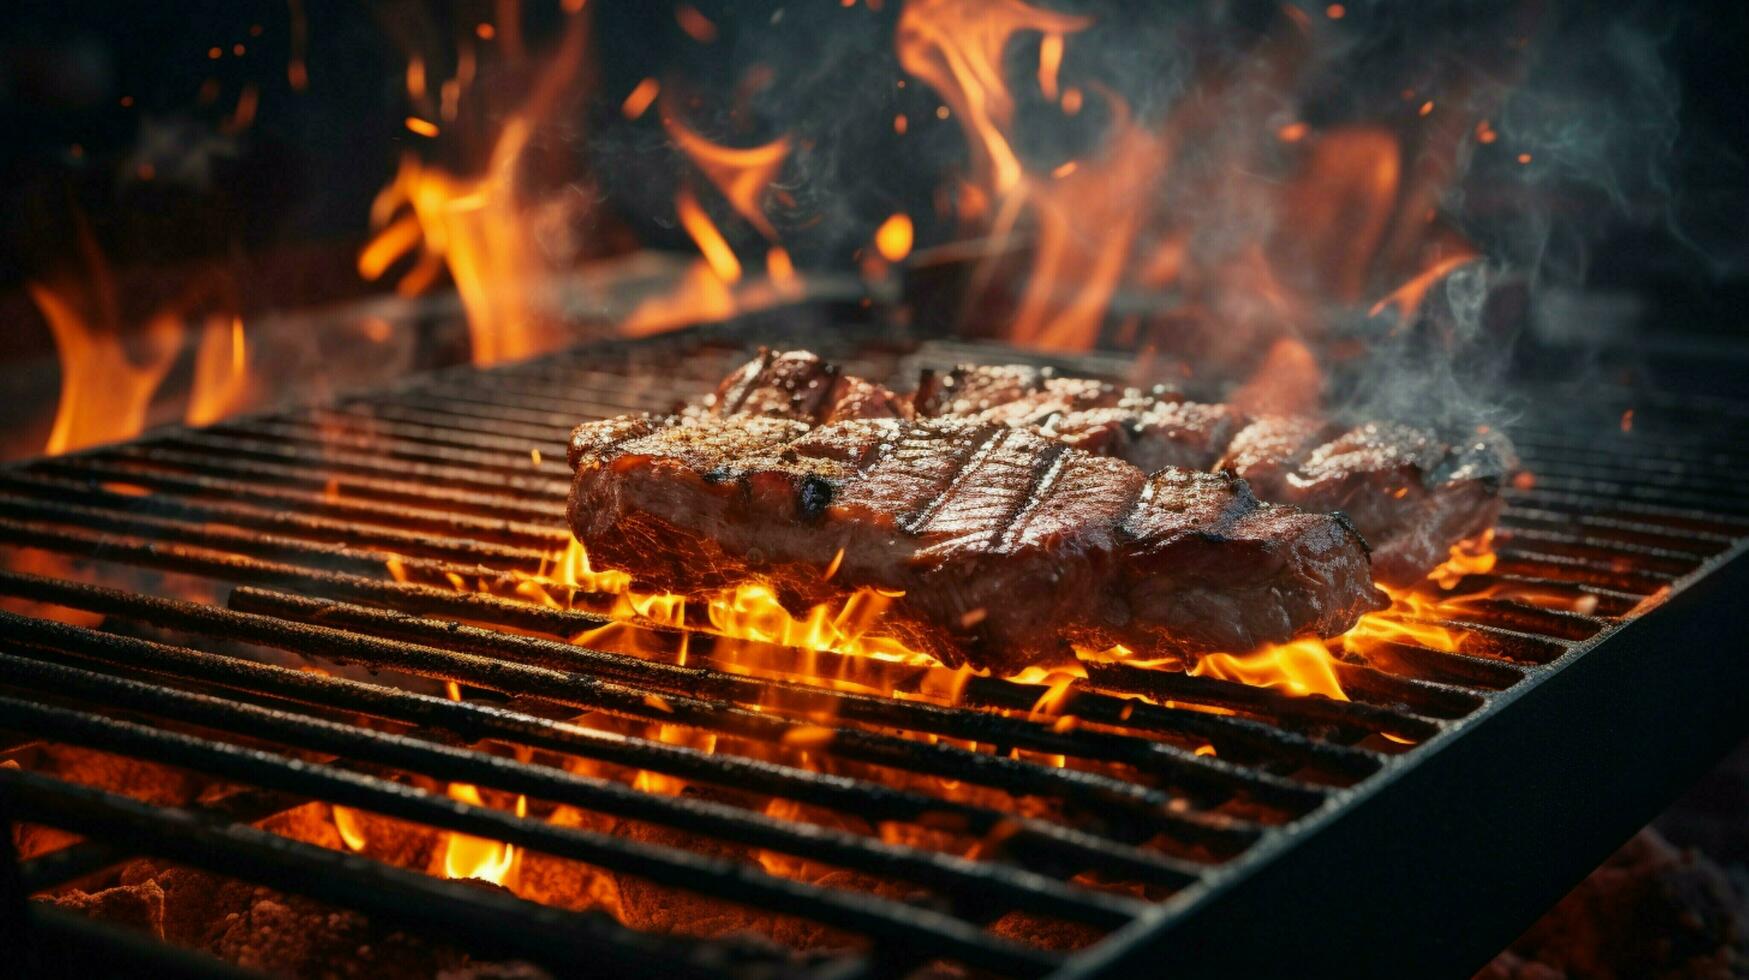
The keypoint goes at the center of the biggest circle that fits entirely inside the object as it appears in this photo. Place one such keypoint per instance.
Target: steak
(960, 518)
(1412, 494)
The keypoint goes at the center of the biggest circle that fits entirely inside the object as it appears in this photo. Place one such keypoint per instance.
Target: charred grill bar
(1311, 839)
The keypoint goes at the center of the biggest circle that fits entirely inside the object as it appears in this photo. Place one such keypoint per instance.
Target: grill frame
(1244, 915)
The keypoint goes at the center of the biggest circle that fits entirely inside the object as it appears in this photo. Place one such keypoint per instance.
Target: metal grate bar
(488, 922)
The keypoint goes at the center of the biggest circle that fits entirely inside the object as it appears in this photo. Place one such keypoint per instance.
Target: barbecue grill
(1414, 829)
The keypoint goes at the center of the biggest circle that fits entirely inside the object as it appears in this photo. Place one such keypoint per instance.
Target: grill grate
(292, 521)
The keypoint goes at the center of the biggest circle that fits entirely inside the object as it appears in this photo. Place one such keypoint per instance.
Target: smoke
(1582, 146)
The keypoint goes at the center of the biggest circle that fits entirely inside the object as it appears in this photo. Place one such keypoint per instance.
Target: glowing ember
(893, 238)
(638, 102)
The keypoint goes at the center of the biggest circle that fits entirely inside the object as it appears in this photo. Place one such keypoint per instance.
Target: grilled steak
(1411, 494)
(964, 518)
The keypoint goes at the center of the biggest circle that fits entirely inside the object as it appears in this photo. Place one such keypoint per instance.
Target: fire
(481, 226)
(1302, 667)
(471, 857)
(106, 388)
(710, 241)
(957, 47)
(113, 369)
(351, 830)
(742, 175)
(1341, 216)
(718, 286)
(221, 371)
(638, 102)
(1473, 557)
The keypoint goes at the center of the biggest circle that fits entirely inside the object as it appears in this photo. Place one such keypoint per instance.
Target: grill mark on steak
(995, 486)
(1046, 475)
(963, 471)
(1192, 565)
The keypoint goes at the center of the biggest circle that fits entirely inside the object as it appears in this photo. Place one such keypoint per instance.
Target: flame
(742, 175)
(112, 369)
(1342, 217)
(472, 857)
(1472, 557)
(221, 371)
(1302, 667)
(714, 288)
(701, 294)
(351, 830)
(956, 46)
(754, 612)
(105, 392)
(710, 241)
(749, 611)
(481, 226)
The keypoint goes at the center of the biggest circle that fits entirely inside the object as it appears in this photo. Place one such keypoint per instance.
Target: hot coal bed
(289, 687)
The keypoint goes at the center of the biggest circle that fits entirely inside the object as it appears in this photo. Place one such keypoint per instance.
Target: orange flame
(111, 370)
(713, 288)
(1351, 218)
(472, 857)
(479, 226)
(351, 830)
(956, 46)
(1302, 667)
(710, 241)
(105, 392)
(742, 175)
(221, 372)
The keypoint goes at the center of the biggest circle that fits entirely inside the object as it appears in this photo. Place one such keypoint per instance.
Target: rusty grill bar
(293, 519)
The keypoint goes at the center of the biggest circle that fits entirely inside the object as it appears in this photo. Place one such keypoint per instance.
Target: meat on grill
(799, 385)
(1411, 494)
(1006, 546)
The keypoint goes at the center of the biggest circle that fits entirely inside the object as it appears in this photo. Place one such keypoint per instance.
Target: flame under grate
(293, 520)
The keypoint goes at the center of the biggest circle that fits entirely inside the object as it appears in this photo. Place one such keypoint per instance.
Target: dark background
(296, 185)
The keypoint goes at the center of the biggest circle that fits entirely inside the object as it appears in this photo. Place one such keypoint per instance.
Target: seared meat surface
(1410, 493)
(799, 385)
(1008, 546)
